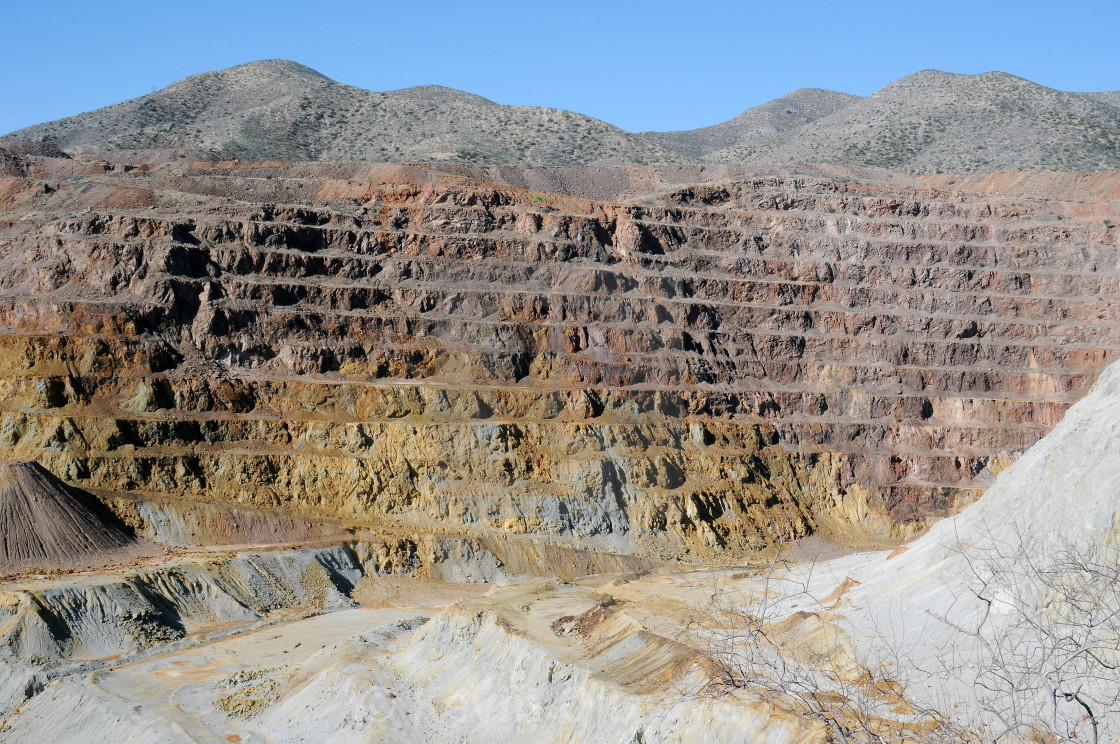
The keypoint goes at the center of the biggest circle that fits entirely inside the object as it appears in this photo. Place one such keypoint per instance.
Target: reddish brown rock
(706, 366)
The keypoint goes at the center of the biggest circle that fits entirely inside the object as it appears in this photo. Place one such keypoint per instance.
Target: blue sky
(652, 65)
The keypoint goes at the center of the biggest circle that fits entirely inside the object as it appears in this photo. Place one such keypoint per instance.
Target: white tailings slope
(998, 575)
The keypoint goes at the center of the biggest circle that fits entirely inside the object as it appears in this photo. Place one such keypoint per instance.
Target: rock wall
(676, 372)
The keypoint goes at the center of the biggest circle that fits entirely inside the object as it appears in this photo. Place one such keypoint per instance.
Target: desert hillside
(924, 123)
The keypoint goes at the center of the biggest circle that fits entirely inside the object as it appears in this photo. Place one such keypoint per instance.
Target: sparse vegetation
(1030, 652)
(928, 122)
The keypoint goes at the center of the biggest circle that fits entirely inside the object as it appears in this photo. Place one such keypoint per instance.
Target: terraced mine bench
(677, 371)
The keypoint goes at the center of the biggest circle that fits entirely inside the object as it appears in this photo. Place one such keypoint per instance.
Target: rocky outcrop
(39, 148)
(10, 164)
(706, 367)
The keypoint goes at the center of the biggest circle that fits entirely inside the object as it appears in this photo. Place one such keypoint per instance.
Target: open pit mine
(310, 452)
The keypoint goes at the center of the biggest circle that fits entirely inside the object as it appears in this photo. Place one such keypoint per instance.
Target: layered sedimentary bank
(686, 366)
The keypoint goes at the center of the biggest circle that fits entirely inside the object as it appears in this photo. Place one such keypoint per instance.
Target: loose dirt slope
(46, 524)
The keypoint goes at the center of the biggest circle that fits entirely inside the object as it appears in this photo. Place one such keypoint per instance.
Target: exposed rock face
(703, 368)
(173, 648)
(46, 524)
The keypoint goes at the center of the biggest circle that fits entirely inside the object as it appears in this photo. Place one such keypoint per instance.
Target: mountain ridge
(927, 122)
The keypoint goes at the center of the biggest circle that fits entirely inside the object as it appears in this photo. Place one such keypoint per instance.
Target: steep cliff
(673, 371)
